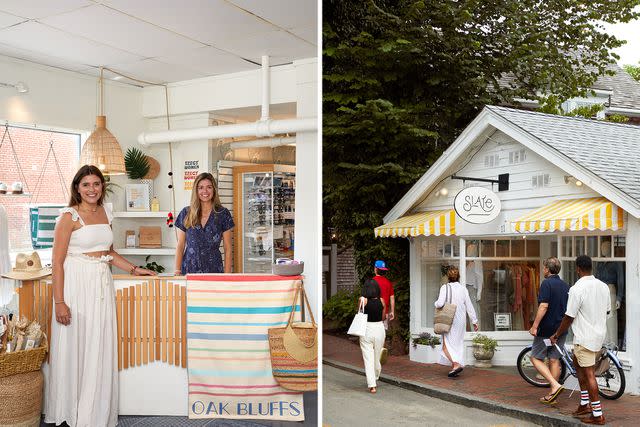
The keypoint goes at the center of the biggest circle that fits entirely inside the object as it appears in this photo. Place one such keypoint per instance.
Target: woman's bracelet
(132, 270)
(60, 302)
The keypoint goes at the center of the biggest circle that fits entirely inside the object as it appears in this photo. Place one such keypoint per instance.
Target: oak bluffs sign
(477, 205)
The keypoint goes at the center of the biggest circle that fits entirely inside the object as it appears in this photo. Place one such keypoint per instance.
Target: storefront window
(488, 248)
(579, 245)
(505, 296)
(608, 266)
(434, 274)
(592, 246)
(567, 246)
(502, 248)
(533, 248)
(517, 248)
(619, 246)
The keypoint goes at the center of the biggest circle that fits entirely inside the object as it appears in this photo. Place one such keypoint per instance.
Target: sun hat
(28, 267)
(380, 265)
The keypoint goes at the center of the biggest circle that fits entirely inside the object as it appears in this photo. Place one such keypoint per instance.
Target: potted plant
(483, 349)
(423, 348)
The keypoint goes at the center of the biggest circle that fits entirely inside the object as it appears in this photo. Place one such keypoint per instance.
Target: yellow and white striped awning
(572, 215)
(432, 223)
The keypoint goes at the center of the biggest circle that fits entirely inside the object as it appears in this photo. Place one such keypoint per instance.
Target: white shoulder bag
(359, 324)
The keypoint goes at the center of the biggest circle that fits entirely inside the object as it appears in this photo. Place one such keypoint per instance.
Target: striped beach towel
(228, 347)
(43, 221)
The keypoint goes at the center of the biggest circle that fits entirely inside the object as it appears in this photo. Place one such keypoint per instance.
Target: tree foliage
(633, 70)
(402, 78)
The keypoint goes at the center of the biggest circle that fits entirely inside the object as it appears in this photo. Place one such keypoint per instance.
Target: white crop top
(89, 238)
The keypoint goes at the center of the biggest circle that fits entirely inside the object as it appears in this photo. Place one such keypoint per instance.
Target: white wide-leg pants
(371, 345)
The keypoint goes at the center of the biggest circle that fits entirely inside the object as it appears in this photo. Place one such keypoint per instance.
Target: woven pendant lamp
(102, 148)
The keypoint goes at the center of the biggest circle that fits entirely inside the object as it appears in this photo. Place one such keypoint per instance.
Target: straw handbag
(443, 317)
(294, 350)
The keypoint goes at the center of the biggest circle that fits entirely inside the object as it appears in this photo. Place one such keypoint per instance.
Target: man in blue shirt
(552, 300)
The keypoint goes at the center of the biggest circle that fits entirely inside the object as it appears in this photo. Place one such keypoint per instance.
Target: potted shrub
(423, 348)
(483, 349)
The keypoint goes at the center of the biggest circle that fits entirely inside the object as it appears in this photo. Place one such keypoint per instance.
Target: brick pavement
(499, 390)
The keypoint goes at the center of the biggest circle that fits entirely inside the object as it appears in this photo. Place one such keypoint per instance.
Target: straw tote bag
(443, 317)
(294, 350)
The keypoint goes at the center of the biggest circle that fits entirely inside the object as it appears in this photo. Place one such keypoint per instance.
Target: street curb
(466, 399)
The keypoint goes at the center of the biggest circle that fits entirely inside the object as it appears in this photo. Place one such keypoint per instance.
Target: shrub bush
(341, 308)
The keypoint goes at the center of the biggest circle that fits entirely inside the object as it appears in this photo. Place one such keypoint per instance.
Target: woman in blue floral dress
(201, 227)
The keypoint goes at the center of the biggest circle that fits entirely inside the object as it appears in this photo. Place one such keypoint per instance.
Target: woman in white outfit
(373, 341)
(453, 341)
(82, 382)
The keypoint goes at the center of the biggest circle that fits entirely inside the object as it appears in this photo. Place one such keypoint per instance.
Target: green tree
(402, 78)
(633, 70)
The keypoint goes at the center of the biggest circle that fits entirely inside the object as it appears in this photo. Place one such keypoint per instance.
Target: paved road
(347, 402)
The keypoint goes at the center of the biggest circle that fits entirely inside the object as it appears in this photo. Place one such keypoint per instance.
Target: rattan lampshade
(102, 150)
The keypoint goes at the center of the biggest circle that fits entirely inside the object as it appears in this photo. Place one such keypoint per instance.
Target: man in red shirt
(386, 290)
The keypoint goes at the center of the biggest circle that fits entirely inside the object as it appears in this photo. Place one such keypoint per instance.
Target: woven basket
(19, 362)
(21, 399)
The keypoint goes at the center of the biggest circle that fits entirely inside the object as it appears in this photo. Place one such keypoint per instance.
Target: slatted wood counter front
(151, 317)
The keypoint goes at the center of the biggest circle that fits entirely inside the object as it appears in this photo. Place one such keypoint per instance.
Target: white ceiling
(159, 41)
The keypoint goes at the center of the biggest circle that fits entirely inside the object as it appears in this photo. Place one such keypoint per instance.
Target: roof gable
(604, 155)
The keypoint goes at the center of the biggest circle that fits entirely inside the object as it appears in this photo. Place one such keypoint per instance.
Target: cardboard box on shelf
(150, 237)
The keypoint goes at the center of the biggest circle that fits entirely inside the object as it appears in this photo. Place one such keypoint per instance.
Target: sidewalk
(498, 390)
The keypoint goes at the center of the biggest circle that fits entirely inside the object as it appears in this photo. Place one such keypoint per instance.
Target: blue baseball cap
(380, 265)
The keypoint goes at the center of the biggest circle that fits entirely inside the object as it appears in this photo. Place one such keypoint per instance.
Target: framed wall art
(137, 197)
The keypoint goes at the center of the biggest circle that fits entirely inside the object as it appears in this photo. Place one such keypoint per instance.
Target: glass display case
(264, 216)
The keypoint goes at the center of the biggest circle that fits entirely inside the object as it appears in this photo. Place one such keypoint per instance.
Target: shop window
(533, 248)
(592, 246)
(619, 246)
(507, 290)
(579, 245)
(567, 246)
(488, 249)
(31, 147)
(434, 275)
(517, 248)
(502, 248)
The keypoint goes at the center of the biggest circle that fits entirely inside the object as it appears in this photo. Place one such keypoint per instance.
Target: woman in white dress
(82, 382)
(452, 351)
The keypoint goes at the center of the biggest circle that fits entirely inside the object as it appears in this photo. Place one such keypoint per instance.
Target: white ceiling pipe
(267, 128)
(264, 142)
(266, 88)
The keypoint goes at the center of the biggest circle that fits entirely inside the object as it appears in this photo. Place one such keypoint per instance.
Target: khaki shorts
(584, 356)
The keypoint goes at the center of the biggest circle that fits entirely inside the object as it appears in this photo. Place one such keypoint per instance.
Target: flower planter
(482, 355)
(424, 353)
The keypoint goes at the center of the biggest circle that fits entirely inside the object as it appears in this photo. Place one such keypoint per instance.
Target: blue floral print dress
(202, 248)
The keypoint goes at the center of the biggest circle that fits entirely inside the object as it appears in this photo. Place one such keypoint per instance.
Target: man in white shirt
(587, 309)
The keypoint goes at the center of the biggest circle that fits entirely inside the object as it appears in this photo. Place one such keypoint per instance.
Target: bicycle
(609, 373)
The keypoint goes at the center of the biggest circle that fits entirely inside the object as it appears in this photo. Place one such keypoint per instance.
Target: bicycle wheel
(528, 371)
(611, 383)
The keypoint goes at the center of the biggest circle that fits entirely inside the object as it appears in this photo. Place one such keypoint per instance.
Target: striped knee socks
(584, 397)
(596, 409)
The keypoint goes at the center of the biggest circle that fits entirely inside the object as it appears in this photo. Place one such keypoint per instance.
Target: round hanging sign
(477, 205)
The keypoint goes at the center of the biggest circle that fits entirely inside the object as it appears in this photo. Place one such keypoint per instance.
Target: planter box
(424, 353)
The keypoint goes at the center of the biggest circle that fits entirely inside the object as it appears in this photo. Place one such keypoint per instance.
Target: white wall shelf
(146, 214)
(146, 251)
